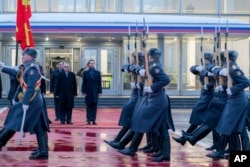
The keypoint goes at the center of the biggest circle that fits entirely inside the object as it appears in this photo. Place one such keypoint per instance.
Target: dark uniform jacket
(31, 97)
(66, 89)
(154, 107)
(91, 85)
(206, 96)
(13, 81)
(233, 118)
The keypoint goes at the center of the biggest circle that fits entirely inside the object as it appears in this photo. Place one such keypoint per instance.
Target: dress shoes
(88, 123)
(216, 155)
(158, 154)
(145, 147)
(94, 123)
(180, 140)
(117, 145)
(70, 123)
(161, 158)
(128, 151)
(40, 155)
(109, 142)
(211, 148)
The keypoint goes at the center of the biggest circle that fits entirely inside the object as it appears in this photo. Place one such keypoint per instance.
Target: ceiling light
(46, 38)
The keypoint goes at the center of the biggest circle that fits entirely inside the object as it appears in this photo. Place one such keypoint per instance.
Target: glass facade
(180, 52)
(178, 7)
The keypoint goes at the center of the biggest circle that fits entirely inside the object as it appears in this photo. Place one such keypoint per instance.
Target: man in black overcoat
(65, 91)
(91, 89)
(53, 80)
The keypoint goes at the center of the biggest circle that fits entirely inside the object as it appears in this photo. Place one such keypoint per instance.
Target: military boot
(124, 141)
(165, 152)
(119, 136)
(132, 149)
(148, 140)
(199, 134)
(219, 154)
(42, 146)
(5, 136)
(155, 144)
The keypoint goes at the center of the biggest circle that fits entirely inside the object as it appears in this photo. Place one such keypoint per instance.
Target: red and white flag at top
(23, 29)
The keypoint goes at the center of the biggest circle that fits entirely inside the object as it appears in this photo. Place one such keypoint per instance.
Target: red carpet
(106, 118)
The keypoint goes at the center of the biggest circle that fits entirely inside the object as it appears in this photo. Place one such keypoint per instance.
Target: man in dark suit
(91, 89)
(53, 80)
(65, 91)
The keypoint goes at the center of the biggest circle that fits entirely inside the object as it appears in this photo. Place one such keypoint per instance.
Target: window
(132, 6)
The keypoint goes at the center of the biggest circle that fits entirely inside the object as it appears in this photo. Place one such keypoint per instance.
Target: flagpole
(16, 53)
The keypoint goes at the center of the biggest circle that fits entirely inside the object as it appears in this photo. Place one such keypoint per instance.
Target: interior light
(46, 38)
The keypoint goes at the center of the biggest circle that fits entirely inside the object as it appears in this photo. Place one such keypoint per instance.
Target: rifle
(136, 53)
(148, 80)
(202, 56)
(130, 56)
(229, 81)
(218, 50)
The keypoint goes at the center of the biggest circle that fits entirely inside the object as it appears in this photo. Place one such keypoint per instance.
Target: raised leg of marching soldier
(124, 141)
(149, 142)
(42, 141)
(165, 148)
(198, 134)
(133, 147)
(245, 143)
(181, 139)
(216, 137)
(119, 136)
(154, 143)
(5, 136)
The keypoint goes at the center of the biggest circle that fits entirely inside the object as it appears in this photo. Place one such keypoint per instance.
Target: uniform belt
(21, 94)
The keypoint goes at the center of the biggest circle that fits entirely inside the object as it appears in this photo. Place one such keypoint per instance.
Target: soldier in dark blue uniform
(153, 114)
(32, 102)
(213, 112)
(205, 97)
(233, 119)
(125, 135)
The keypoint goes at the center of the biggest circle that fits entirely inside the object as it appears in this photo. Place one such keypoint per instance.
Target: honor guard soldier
(32, 102)
(152, 115)
(125, 135)
(233, 118)
(205, 97)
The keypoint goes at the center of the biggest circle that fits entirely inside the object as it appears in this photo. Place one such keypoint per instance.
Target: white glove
(210, 74)
(1, 65)
(199, 68)
(205, 87)
(25, 107)
(223, 72)
(229, 92)
(125, 70)
(132, 85)
(142, 72)
(138, 86)
(13, 102)
(218, 88)
(147, 89)
(215, 67)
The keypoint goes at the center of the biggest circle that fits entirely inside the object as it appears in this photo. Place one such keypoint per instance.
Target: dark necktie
(92, 74)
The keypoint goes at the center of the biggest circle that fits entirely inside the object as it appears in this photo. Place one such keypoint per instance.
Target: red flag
(23, 29)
